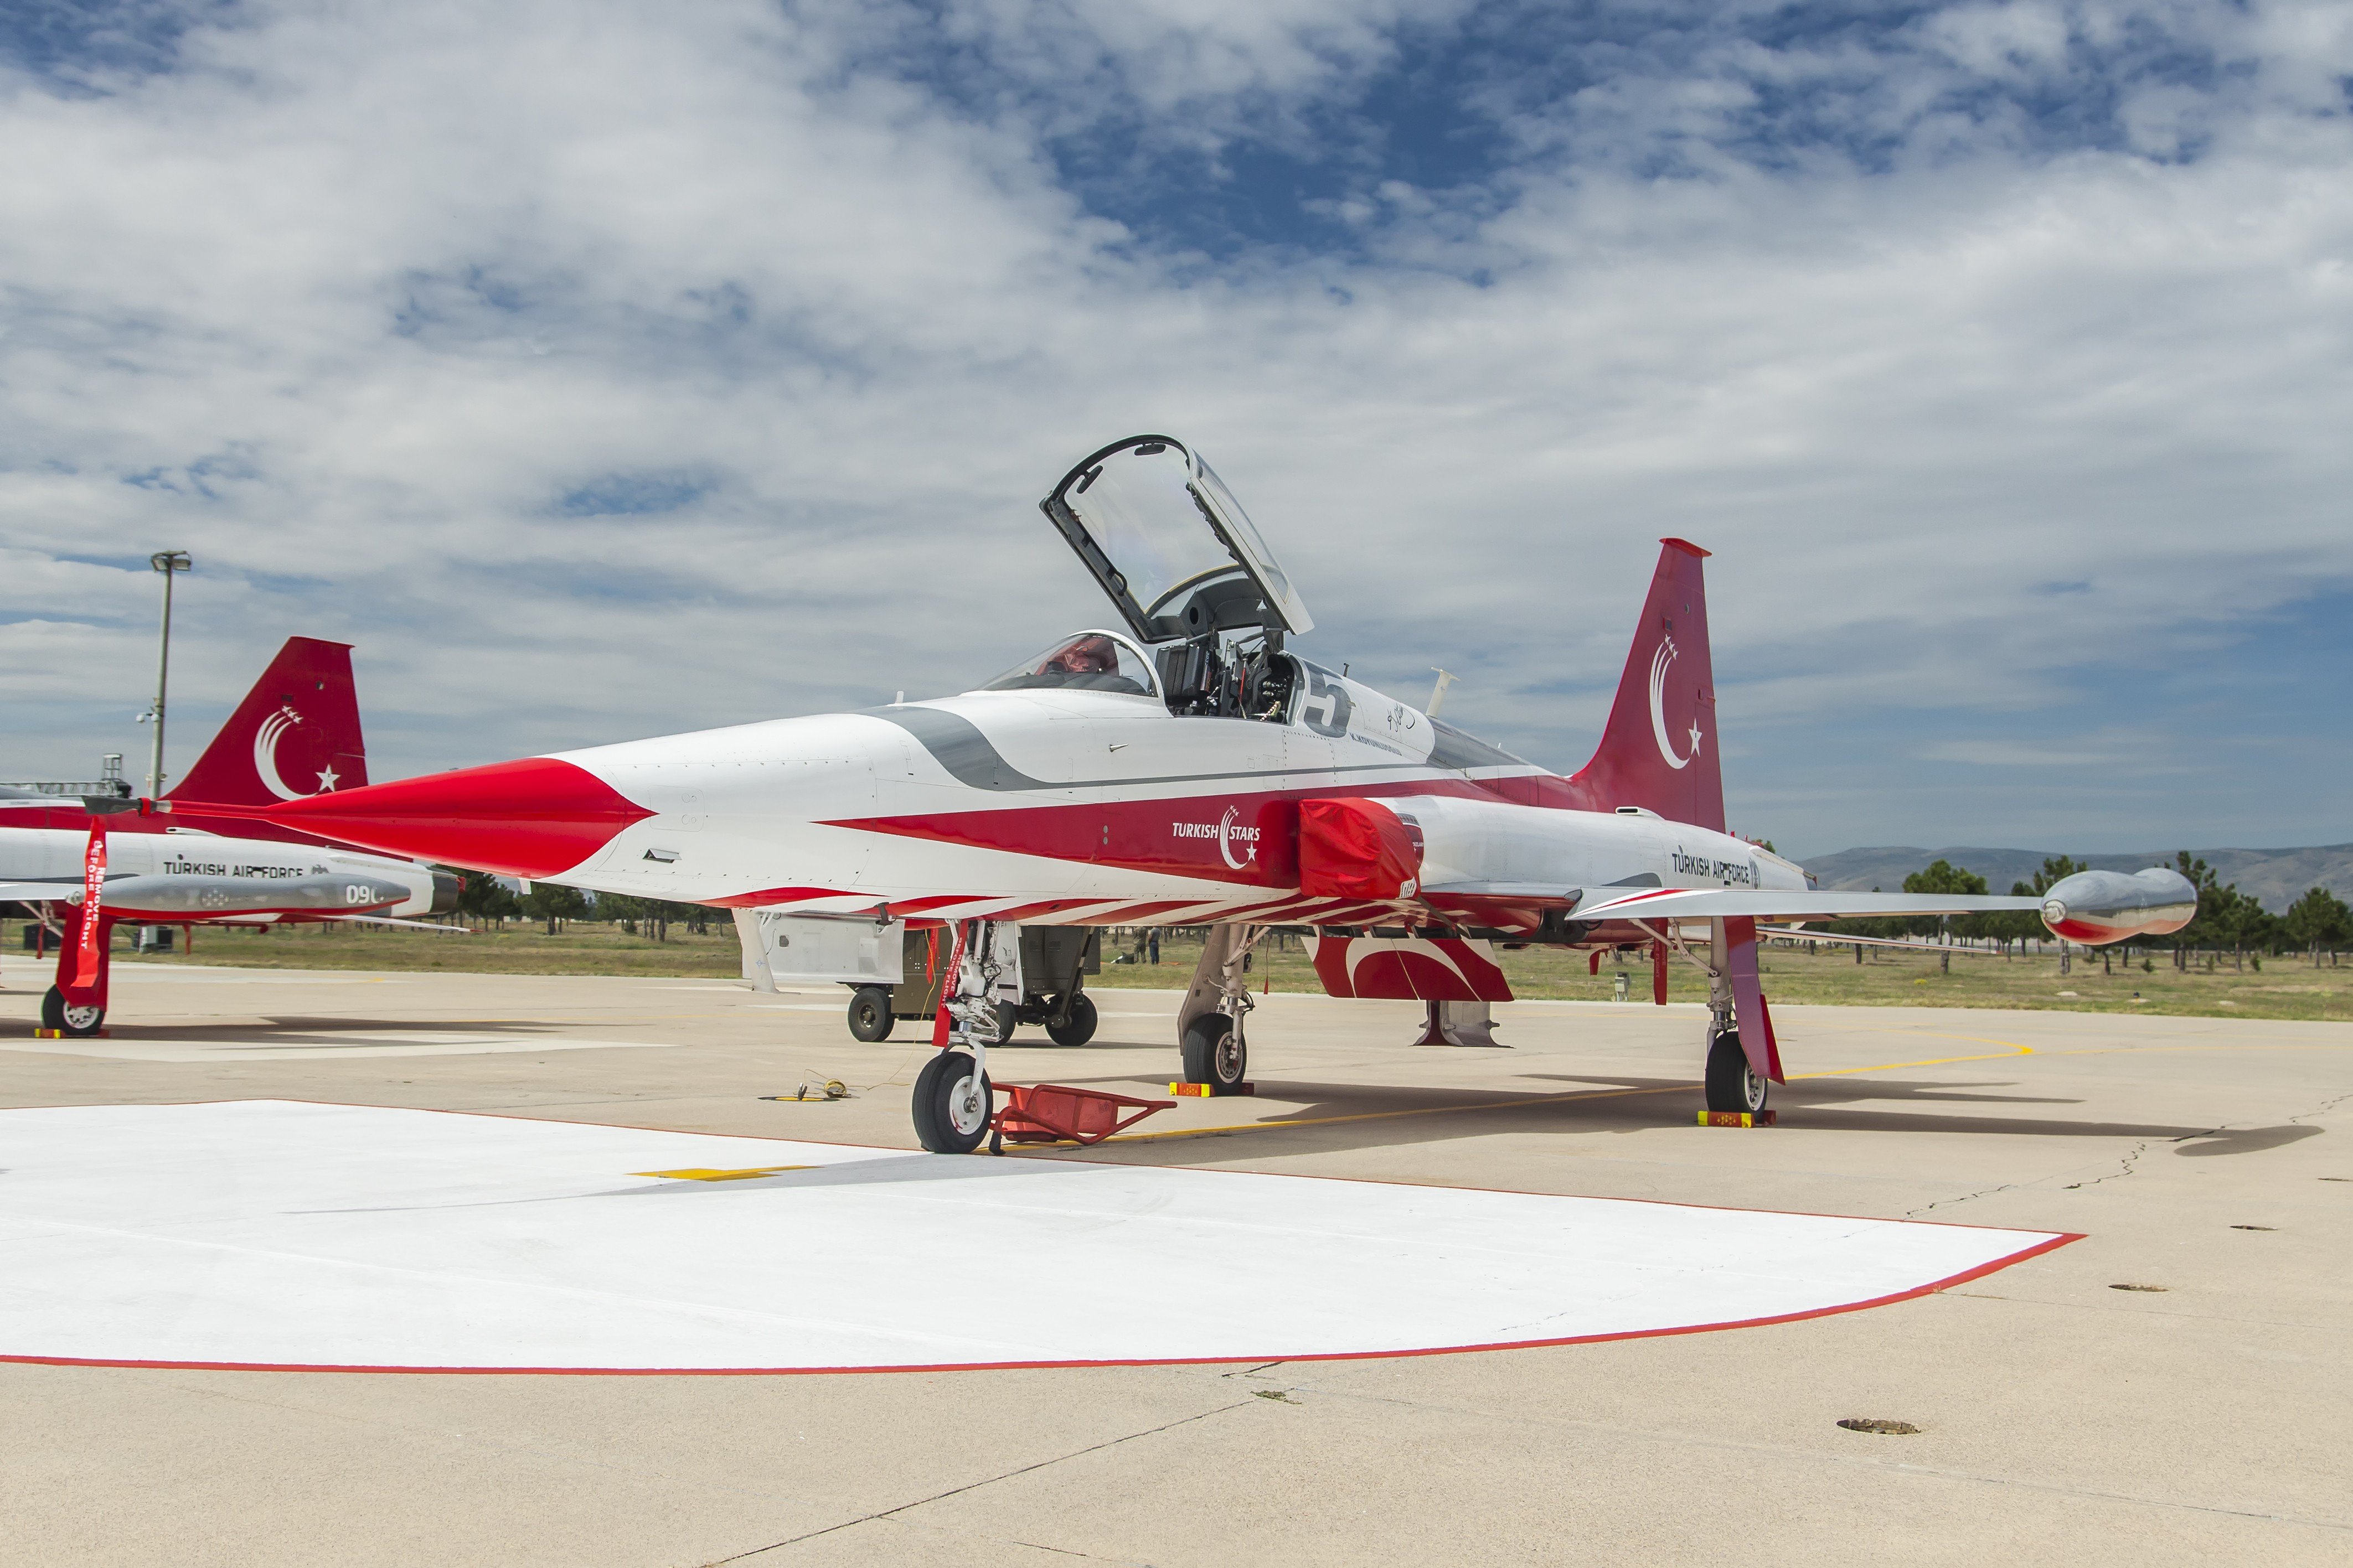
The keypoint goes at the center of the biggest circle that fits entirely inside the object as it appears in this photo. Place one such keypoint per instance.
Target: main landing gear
(1209, 1022)
(77, 1020)
(1734, 1087)
(1732, 1083)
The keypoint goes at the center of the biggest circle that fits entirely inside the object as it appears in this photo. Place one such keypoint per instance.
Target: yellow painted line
(697, 1174)
(1926, 1062)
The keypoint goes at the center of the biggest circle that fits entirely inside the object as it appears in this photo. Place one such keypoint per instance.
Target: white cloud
(348, 302)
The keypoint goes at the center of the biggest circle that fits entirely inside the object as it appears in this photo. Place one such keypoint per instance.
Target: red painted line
(1051, 906)
(2048, 1244)
(1126, 914)
(773, 896)
(940, 901)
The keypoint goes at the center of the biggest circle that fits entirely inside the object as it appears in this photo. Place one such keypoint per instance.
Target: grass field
(2282, 988)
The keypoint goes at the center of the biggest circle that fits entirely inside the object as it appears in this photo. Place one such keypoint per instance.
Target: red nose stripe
(535, 817)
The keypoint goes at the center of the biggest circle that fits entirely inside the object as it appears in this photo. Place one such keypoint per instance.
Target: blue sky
(606, 369)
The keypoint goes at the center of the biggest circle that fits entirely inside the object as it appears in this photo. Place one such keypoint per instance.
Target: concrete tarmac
(2063, 1420)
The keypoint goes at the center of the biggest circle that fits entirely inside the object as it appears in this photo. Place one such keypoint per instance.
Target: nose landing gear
(953, 1104)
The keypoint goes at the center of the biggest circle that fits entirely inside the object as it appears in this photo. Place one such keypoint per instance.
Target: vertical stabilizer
(297, 733)
(1659, 751)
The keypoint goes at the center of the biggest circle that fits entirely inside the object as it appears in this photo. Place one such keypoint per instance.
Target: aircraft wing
(40, 892)
(1744, 903)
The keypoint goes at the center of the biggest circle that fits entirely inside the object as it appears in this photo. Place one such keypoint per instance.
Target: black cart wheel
(1732, 1083)
(1079, 1027)
(952, 1111)
(1214, 1054)
(67, 1019)
(869, 1014)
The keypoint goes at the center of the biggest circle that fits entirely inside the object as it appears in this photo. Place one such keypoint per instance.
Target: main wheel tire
(950, 1118)
(67, 1019)
(869, 1014)
(1214, 1055)
(1079, 1027)
(1732, 1083)
(1008, 1018)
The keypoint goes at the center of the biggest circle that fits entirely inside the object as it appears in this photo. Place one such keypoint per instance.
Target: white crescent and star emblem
(1226, 840)
(264, 756)
(1659, 662)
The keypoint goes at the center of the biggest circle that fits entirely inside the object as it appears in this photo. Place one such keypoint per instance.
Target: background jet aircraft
(87, 864)
(1190, 768)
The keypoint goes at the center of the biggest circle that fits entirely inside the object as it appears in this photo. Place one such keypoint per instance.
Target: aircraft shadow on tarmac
(1421, 1114)
(305, 1030)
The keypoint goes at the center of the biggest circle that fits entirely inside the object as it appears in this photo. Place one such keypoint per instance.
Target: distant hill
(2276, 877)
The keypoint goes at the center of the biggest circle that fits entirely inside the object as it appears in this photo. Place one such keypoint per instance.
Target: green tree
(2319, 918)
(483, 896)
(2055, 868)
(1944, 877)
(554, 904)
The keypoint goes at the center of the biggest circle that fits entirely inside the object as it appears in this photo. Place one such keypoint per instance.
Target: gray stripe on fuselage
(957, 744)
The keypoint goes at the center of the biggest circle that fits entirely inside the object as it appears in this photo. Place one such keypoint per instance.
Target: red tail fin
(1659, 752)
(297, 733)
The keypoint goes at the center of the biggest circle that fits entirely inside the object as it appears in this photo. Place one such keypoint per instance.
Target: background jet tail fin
(1659, 751)
(297, 733)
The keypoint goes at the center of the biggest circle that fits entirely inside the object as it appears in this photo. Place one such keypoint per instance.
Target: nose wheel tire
(1214, 1054)
(1079, 1027)
(1732, 1083)
(952, 1111)
(869, 1014)
(57, 1013)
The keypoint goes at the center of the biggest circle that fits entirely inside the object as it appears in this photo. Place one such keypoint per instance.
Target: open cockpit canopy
(1170, 545)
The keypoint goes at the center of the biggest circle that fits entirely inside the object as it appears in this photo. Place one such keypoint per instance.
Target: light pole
(167, 561)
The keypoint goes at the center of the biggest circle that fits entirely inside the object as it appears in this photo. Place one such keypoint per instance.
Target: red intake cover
(1354, 848)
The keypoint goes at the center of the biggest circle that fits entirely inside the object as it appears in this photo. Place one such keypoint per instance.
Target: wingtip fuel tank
(2096, 907)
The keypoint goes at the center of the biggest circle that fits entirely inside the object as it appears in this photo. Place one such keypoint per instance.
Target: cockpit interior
(1251, 677)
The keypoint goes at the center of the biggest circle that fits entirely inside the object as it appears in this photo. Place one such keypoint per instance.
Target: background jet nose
(534, 817)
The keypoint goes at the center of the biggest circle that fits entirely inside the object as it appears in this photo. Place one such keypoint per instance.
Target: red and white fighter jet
(1190, 767)
(87, 864)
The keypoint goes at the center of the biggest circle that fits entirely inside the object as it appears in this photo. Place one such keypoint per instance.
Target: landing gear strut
(1209, 1022)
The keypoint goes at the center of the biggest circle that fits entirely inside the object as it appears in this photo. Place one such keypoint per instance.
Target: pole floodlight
(169, 562)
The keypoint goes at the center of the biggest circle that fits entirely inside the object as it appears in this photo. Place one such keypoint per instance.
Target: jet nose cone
(535, 817)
